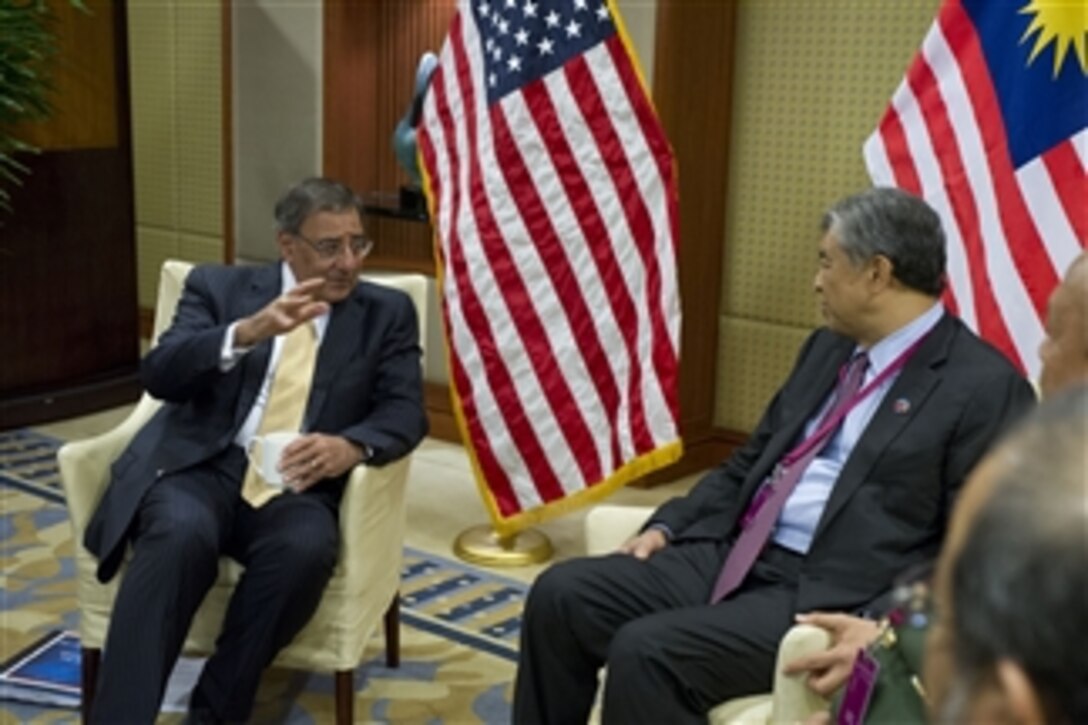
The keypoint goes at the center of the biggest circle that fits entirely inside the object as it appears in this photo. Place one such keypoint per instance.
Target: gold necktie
(286, 402)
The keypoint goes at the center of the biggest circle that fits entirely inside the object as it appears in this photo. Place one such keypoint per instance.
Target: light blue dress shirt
(801, 513)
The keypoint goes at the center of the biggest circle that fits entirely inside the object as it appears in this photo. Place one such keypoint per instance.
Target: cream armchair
(608, 526)
(364, 584)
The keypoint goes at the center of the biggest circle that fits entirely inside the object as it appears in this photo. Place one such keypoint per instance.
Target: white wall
(277, 112)
(640, 18)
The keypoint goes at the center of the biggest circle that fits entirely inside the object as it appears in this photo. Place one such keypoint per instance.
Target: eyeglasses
(329, 248)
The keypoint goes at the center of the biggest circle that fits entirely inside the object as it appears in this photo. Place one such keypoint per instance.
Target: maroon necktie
(769, 500)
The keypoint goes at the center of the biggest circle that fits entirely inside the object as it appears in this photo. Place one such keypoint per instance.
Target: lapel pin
(901, 406)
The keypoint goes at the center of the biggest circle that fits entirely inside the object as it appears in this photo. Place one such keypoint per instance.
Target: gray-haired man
(847, 481)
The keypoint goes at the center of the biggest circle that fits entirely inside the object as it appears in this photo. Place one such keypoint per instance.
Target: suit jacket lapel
(914, 385)
(339, 343)
(818, 379)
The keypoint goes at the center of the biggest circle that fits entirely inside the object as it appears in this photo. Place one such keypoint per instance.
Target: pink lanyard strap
(832, 422)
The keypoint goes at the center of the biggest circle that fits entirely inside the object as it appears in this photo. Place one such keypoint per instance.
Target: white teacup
(269, 450)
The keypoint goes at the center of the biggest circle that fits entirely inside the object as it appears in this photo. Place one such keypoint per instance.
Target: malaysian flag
(989, 126)
(553, 192)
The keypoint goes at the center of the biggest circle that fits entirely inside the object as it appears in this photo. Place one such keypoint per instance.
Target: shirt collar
(892, 346)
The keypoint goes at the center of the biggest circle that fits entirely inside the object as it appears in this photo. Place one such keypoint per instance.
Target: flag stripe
(499, 484)
(904, 175)
(587, 94)
(659, 193)
(1027, 250)
(435, 158)
(522, 304)
(444, 162)
(919, 145)
(586, 215)
(1010, 230)
(1070, 183)
(483, 407)
(626, 274)
(1044, 200)
(1014, 304)
(514, 252)
(600, 200)
(499, 409)
(530, 170)
(557, 236)
(895, 140)
(478, 311)
(962, 202)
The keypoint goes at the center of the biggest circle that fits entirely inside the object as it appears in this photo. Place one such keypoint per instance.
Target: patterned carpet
(459, 623)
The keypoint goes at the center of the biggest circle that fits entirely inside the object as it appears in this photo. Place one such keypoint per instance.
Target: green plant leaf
(27, 48)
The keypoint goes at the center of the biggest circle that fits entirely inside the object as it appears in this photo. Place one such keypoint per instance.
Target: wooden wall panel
(68, 308)
(693, 71)
(372, 48)
(371, 51)
(84, 95)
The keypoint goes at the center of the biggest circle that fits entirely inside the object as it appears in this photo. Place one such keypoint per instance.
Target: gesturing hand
(316, 456)
(283, 314)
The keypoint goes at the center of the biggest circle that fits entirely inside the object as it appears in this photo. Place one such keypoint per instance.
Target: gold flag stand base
(481, 545)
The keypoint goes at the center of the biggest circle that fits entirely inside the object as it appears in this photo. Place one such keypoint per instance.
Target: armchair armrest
(608, 526)
(793, 700)
(372, 522)
(85, 464)
(367, 575)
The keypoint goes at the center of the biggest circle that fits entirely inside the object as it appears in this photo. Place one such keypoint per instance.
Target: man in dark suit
(1064, 356)
(852, 469)
(176, 491)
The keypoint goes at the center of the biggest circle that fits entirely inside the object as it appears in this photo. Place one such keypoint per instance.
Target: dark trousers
(671, 657)
(184, 524)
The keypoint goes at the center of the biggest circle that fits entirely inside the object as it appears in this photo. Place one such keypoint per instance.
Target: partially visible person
(1064, 357)
(1064, 352)
(1011, 590)
(298, 345)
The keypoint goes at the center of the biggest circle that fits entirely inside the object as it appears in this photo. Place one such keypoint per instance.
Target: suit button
(160, 473)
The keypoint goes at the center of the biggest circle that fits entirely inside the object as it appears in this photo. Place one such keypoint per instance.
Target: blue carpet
(28, 462)
(458, 603)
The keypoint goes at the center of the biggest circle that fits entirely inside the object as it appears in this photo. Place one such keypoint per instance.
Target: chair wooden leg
(88, 680)
(392, 632)
(345, 696)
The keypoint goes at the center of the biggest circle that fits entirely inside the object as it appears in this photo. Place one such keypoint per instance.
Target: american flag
(990, 126)
(553, 191)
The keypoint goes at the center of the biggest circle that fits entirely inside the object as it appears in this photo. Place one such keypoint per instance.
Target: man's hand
(645, 544)
(316, 456)
(283, 314)
(828, 670)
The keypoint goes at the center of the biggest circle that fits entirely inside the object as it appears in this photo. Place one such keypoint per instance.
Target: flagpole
(482, 545)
